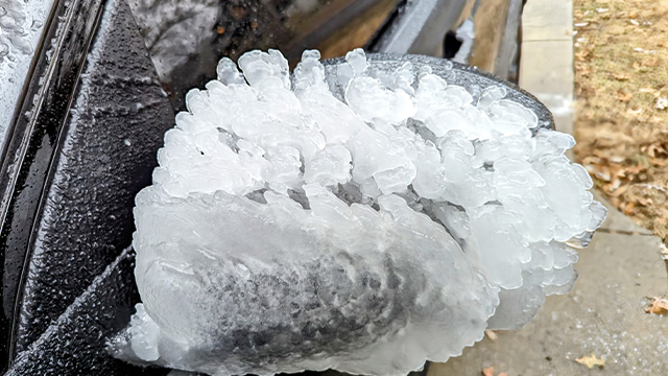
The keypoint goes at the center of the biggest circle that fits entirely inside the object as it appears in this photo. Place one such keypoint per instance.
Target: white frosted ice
(286, 230)
(21, 25)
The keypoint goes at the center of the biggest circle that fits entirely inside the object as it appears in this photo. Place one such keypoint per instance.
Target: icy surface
(21, 23)
(287, 230)
(174, 30)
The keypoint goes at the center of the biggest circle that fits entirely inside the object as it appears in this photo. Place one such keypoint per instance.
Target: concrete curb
(546, 65)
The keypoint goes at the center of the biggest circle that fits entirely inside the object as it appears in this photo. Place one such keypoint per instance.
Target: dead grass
(621, 75)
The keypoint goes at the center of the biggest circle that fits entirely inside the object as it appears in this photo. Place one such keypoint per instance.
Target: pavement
(605, 313)
(546, 65)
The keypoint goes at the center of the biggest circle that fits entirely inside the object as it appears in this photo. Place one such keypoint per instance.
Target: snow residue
(21, 24)
(286, 230)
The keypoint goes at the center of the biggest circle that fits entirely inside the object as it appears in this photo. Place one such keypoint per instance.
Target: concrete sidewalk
(546, 66)
(604, 314)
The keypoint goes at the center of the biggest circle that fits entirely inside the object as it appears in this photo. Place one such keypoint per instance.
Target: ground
(614, 321)
(621, 73)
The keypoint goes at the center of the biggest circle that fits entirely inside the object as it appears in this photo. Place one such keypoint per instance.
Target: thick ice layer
(336, 286)
(287, 230)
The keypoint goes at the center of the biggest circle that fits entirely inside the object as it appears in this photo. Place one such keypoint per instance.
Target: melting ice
(287, 230)
(21, 24)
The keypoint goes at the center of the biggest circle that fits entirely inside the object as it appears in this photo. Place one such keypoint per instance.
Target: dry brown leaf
(653, 62)
(644, 201)
(654, 150)
(633, 170)
(619, 191)
(601, 174)
(624, 97)
(584, 54)
(613, 185)
(491, 335)
(584, 70)
(658, 162)
(657, 306)
(590, 159)
(591, 361)
(489, 371)
(621, 77)
(602, 154)
(660, 228)
(629, 208)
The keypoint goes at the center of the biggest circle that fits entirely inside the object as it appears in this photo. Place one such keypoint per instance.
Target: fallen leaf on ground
(628, 209)
(624, 97)
(584, 54)
(654, 150)
(591, 361)
(619, 191)
(489, 371)
(657, 306)
(658, 162)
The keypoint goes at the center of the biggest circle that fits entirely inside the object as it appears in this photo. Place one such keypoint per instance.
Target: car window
(186, 38)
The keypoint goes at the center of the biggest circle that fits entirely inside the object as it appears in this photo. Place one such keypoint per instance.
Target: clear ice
(21, 25)
(287, 230)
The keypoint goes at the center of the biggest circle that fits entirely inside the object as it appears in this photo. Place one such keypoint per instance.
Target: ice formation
(175, 30)
(21, 24)
(287, 230)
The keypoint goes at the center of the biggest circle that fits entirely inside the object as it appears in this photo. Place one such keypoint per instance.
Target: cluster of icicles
(289, 228)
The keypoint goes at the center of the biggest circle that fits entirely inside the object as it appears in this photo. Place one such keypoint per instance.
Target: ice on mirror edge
(287, 230)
